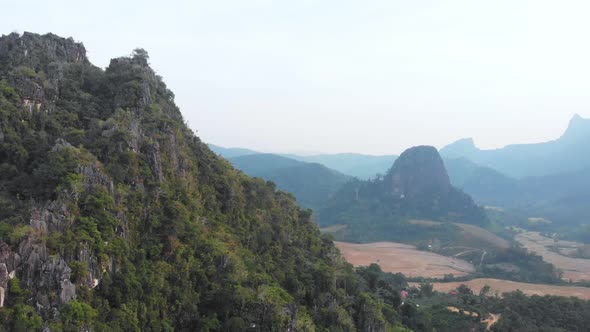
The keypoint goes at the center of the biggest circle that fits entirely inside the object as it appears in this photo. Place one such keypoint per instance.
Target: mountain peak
(577, 128)
(418, 171)
(38, 51)
(459, 148)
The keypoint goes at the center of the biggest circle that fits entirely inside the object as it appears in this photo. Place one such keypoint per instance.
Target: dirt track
(397, 257)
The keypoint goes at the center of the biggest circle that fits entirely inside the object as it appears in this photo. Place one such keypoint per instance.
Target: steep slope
(114, 216)
(416, 187)
(566, 154)
(311, 183)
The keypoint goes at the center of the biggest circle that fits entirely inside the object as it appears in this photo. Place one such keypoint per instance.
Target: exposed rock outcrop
(418, 171)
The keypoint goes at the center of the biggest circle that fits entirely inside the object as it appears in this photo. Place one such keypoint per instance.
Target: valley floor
(403, 258)
(555, 252)
(498, 286)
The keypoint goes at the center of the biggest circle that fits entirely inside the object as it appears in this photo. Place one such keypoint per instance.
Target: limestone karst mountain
(566, 154)
(114, 216)
(416, 187)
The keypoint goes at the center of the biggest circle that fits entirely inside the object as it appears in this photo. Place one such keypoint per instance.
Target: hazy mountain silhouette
(311, 183)
(565, 154)
(561, 197)
(362, 166)
(416, 186)
(230, 152)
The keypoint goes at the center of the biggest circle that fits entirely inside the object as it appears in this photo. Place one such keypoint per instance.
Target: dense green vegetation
(416, 187)
(102, 179)
(427, 310)
(114, 216)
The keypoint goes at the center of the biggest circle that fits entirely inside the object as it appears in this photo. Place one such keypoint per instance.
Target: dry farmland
(498, 286)
(397, 257)
(553, 252)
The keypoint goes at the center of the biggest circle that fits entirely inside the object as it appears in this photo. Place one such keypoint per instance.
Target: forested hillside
(114, 216)
(416, 187)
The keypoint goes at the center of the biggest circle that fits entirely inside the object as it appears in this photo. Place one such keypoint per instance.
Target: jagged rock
(3, 282)
(156, 160)
(61, 144)
(68, 291)
(93, 176)
(38, 52)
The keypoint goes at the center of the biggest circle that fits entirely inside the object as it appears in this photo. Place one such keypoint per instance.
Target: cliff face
(416, 187)
(417, 172)
(114, 215)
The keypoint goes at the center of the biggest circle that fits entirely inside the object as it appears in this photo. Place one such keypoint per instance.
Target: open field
(471, 234)
(574, 269)
(498, 286)
(397, 257)
(479, 234)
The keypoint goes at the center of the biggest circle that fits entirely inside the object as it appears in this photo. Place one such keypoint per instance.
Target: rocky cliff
(115, 217)
(417, 172)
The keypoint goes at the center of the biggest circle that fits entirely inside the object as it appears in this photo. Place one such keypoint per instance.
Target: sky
(331, 76)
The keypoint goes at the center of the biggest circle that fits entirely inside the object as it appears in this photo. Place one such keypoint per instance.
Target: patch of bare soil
(397, 257)
(498, 287)
(553, 252)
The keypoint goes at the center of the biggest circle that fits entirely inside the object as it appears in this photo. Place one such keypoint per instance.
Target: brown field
(397, 257)
(471, 234)
(574, 269)
(498, 287)
(483, 235)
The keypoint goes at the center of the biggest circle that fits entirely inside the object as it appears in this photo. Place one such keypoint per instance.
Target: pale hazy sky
(346, 76)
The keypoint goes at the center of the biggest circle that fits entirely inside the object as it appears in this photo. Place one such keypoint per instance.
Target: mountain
(311, 183)
(230, 152)
(259, 165)
(416, 187)
(565, 154)
(114, 216)
(486, 185)
(561, 197)
(362, 166)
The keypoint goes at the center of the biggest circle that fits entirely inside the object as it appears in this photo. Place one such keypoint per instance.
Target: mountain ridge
(114, 216)
(561, 155)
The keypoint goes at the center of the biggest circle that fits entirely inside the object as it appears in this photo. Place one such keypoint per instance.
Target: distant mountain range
(416, 187)
(362, 166)
(565, 154)
(230, 152)
(311, 183)
(550, 180)
(562, 197)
